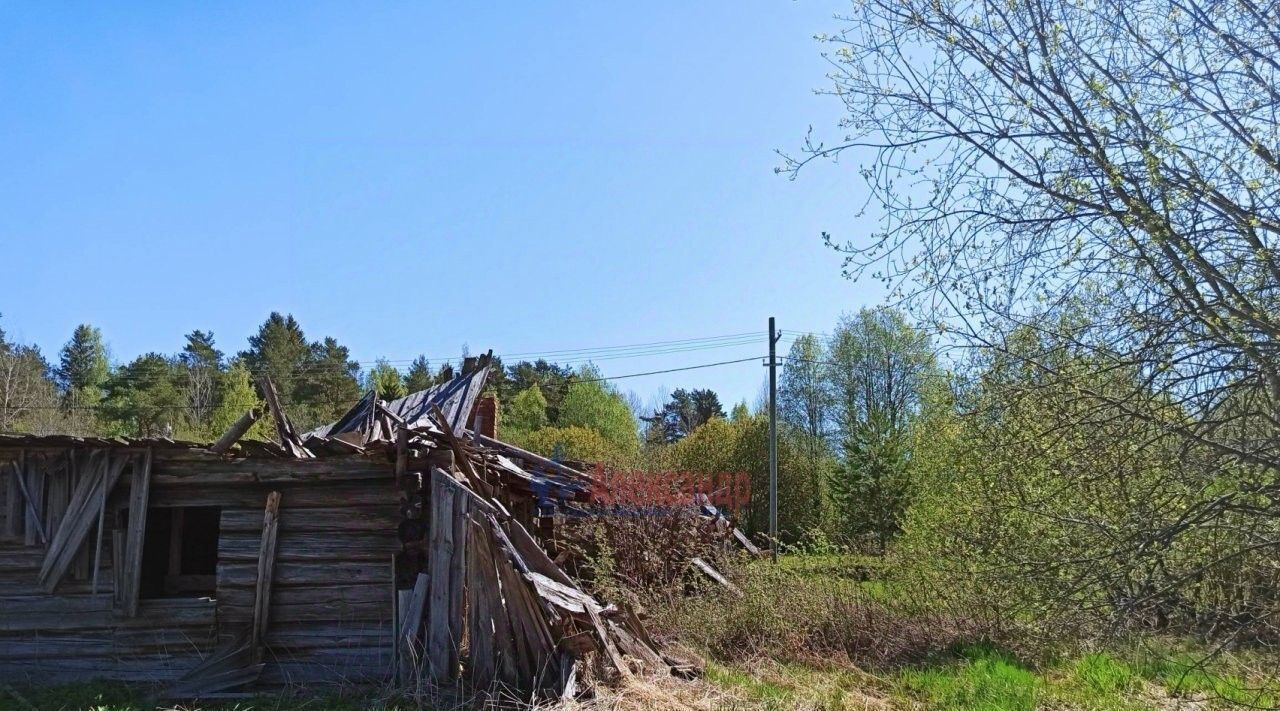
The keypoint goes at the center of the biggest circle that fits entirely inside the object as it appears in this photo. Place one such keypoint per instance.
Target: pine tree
(685, 412)
(871, 489)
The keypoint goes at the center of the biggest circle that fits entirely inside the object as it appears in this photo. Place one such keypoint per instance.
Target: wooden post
(266, 570)
(139, 497)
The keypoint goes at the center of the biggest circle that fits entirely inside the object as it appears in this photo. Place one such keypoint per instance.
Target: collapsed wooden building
(400, 542)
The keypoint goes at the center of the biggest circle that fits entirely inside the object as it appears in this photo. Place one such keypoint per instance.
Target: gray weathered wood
(139, 500)
(715, 575)
(98, 542)
(289, 438)
(408, 637)
(746, 542)
(31, 486)
(56, 498)
(491, 654)
(66, 542)
(446, 559)
(236, 431)
(13, 502)
(266, 569)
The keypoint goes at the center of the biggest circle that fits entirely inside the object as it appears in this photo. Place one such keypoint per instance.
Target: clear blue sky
(412, 177)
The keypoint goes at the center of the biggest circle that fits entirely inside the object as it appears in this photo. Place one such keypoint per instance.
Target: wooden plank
(139, 498)
(13, 516)
(491, 653)
(715, 575)
(67, 540)
(533, 644)
(334, 520)
(460, 458)
(284, 427)
(57, 498)
(266, 568)
(338, 611)
(307, 546)
(746, 542)
(98, 543)
(117, 566)
(312, 495)
(335, 593)
(446, 560)
(409, 646)
(288, 574)
(31, 485)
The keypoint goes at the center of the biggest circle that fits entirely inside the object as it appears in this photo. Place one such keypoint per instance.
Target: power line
(606, 353)
(352, 402)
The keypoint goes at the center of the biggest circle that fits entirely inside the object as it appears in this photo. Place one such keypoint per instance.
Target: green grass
(983, 679)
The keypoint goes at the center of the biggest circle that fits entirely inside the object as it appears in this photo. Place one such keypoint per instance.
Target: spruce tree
(419, 376)
(83, 368)
(279, 350)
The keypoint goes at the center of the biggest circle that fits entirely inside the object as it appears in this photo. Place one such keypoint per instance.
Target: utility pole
(773, 440)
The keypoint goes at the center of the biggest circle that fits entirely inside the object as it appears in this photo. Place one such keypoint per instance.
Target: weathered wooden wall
(331, 596)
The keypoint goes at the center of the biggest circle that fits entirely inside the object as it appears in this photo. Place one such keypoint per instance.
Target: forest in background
(846, 404)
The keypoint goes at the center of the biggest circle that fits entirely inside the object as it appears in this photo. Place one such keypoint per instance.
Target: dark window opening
(180, 552)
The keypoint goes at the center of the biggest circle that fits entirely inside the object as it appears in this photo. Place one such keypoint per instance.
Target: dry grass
(664, 693)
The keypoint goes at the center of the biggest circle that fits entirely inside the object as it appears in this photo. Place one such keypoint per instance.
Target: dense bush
(799, 616)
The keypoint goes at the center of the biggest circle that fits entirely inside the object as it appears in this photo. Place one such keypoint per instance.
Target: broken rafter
(289, 438)
(460, 455)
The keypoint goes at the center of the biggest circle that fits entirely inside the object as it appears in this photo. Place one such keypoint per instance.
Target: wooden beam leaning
(95, 484)
(460, 456)
(266, 571)
(289, 439)
(236, 431)
(408, 645)
(139, 497)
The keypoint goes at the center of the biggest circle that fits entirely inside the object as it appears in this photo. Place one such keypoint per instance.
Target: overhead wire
(340, 402)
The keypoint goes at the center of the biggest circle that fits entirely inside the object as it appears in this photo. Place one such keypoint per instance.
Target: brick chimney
(484, 419)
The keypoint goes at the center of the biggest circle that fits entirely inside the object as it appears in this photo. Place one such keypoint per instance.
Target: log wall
(330, 614)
